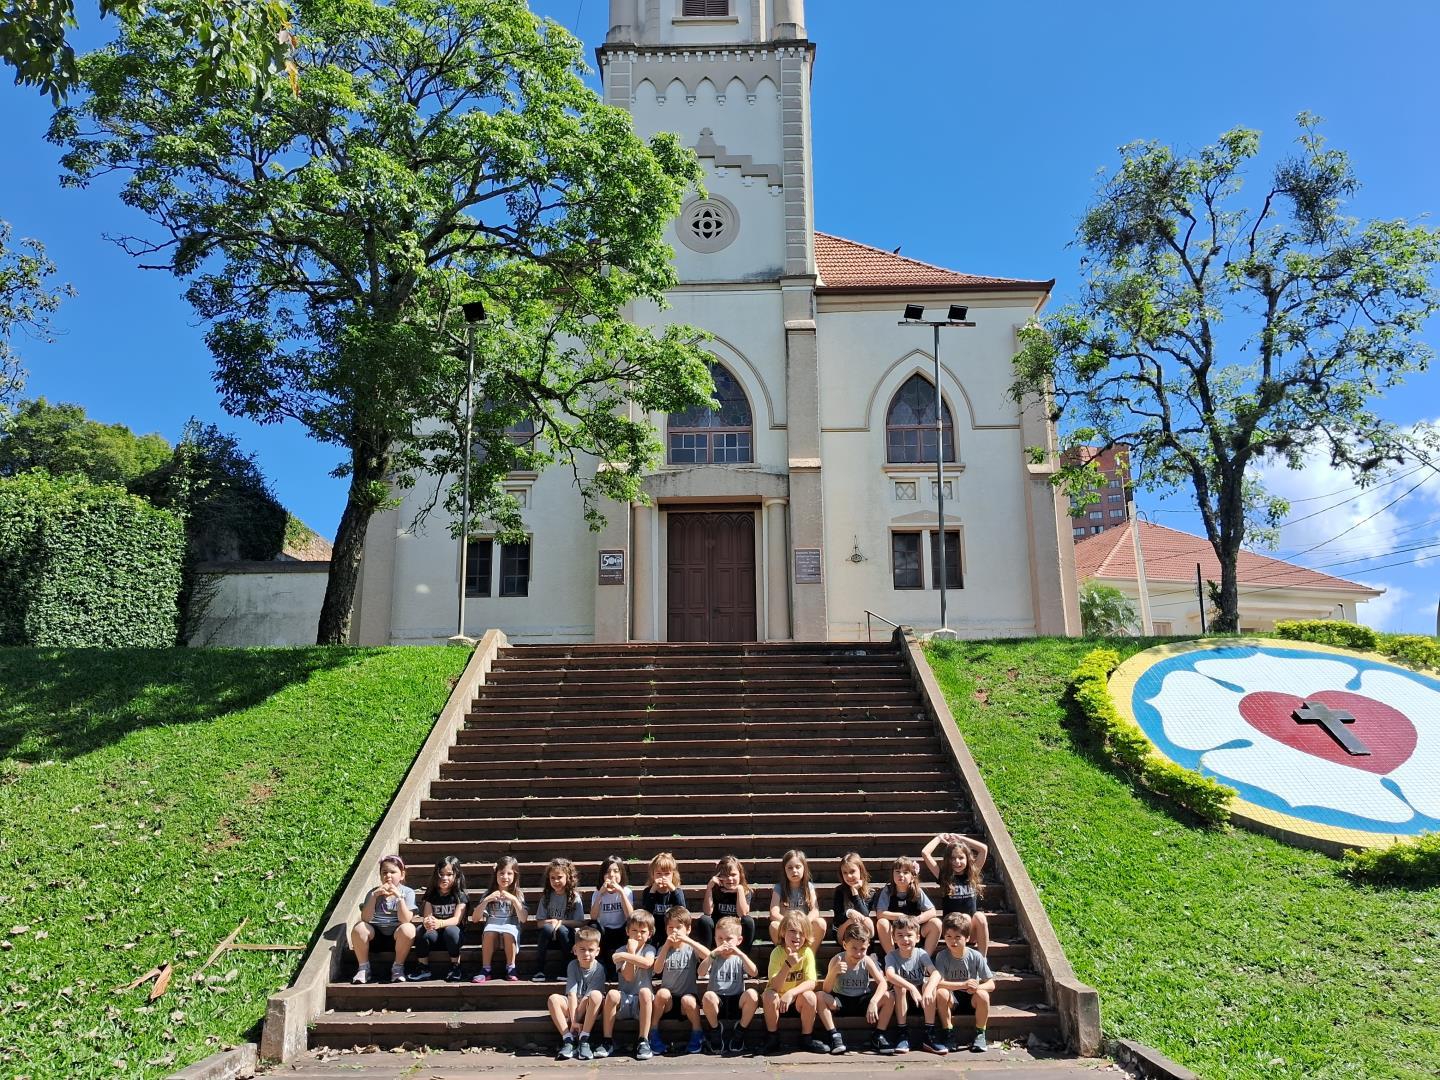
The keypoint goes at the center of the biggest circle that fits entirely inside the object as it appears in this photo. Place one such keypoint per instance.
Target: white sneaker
(362, 975)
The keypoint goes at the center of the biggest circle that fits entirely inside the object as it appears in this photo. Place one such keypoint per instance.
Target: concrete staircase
(701, 750)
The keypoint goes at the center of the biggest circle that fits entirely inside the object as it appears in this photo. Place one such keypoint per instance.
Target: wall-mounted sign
(612, 568)
(807, 566)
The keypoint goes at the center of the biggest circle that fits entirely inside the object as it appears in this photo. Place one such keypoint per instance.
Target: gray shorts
(629, 1008)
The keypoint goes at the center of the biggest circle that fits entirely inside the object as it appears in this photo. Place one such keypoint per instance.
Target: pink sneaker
(483, 977)
(511, 975)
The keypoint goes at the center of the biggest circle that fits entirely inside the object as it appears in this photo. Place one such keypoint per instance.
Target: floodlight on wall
(958, 312)
(914, 312)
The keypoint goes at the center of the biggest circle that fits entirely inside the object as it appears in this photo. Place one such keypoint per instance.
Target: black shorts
(960, 1001)
(729, 1006)
(673, 1012)
(852, 1004)
(953, 904)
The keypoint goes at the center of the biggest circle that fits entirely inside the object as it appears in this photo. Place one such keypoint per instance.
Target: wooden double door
(711, 576)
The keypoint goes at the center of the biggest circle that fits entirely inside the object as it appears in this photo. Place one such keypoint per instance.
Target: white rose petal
(1304, 780)
(1198, 713)
(1279, 674)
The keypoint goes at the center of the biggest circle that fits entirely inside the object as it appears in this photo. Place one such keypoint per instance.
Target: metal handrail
(869, 630)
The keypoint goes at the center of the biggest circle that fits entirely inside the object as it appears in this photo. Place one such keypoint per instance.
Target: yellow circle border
(1330, 839)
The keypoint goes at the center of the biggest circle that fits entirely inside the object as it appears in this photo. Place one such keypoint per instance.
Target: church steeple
(731, 78)
(705, 22)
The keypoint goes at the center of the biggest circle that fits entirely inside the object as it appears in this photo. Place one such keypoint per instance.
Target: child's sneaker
(736, 1046)
(604, 1048)
(483, 977)
(362, 975)
(567, 1048)
(658, 1044)
(815, 1046)
(902, 1043)
(934, 1043)
(584, 1051)
(397, 973)
(511, 975)
(697, 1043)
(455, 974)
(837, 1043)
(978, 1045)
(643, 1051)
(539, 976)
(420, 974)
(772, 1044)
(881, 1045)
(716, 1043)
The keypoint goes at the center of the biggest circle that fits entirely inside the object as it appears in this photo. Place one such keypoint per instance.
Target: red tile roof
(846, 266)
(1171, 555)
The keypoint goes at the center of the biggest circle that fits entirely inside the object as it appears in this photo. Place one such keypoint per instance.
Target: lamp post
(957, 316)
(474, 313)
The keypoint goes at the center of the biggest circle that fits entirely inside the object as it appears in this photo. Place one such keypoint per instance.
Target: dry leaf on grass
(162, 981)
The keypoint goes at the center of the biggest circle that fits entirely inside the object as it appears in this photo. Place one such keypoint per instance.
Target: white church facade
(809, 496)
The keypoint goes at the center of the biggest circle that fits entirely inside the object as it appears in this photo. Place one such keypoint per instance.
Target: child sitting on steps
(502, 910)
(573, 1013)
(442, 913)
(678, 961)
(386, 915)
(634, 997)
(558, 915)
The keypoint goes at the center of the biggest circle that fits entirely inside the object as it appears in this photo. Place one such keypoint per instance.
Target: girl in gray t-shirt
(503, 912)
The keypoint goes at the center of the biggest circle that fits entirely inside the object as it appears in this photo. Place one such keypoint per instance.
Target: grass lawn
(1234, 954)
(149, 801)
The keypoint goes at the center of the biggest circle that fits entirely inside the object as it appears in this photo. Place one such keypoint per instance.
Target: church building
(809, 496)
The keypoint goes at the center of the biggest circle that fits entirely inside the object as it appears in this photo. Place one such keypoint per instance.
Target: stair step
(684, 681)
(438, 994)
(724, 765)
(547, 806)
(866, 785)
(772, 823)
(756, 699)
(456, 1029)
(524, 714)
(797, 745)
(666, 728)
(816, 846)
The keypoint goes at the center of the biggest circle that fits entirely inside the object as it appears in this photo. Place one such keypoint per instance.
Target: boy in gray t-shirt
(573, 1013)
(728, 1000)
(908, 970)
(678, 961)
(634, 995)
(386, 914)
(962, 977)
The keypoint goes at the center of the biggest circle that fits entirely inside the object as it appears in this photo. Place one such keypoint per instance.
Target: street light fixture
(474, 314)
(956, 316)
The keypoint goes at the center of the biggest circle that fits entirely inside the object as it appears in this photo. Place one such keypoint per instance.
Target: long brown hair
(724, 863)
(507, 862)
(853, 858)
(572, 890)
(946, 877)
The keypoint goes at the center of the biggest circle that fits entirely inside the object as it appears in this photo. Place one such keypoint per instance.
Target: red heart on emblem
(1385, 731)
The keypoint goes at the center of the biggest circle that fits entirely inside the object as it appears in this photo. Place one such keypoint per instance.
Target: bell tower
(731, 78)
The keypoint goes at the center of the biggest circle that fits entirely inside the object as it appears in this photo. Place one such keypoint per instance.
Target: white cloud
(1387, 612)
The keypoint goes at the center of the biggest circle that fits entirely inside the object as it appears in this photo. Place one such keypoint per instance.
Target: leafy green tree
(1105, 611)
(26, 304)
(61, 440)
(442, 152)
(1212, 335)
(238, 40)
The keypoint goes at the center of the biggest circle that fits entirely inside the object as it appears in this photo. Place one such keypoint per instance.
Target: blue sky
(968, 133)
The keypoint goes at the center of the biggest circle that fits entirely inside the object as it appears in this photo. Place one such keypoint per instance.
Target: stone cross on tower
(1333, 721)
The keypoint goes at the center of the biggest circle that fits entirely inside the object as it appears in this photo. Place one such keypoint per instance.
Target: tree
(1211, 335)
(1105, 611)
(26, 304)
(61, 440)
(442, 152)
(237, 41)
(221, 496)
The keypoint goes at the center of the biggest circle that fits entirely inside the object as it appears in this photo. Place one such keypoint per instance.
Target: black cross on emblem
(1333, 721)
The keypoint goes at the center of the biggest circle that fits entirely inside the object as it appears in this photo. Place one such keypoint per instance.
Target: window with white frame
(480, 569)
(704, 436)
(910, 435)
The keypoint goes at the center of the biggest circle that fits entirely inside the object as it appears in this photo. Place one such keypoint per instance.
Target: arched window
(910, 424)
(701, 436)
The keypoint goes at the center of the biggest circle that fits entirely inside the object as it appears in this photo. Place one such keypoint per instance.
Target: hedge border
(1413, 650)
(1131, 750)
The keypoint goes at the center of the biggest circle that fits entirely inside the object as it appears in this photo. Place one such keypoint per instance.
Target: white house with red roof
(1270, 589)
(809, 496)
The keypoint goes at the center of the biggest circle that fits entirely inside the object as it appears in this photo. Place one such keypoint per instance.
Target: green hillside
(1236, 955)
(152, 799)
